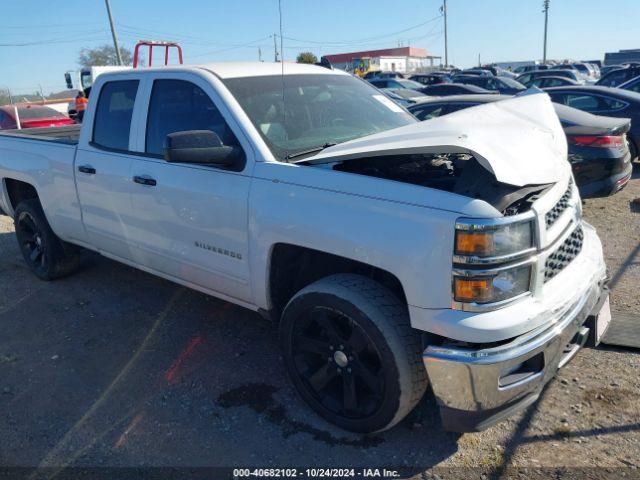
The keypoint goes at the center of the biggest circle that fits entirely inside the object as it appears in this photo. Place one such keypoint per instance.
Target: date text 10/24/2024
(315, 473)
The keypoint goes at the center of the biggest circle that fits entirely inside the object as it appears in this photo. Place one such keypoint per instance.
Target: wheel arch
(15, 191)
(292, 267)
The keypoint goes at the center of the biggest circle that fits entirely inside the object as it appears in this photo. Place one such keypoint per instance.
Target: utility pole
(113, 33)
(545, 7)
(446, 49)
(275, 48)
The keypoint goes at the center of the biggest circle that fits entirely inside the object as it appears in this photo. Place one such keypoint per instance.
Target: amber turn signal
(478, 290)
(474, 243)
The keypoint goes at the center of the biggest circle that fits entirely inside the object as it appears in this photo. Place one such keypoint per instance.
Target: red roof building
(401, 59)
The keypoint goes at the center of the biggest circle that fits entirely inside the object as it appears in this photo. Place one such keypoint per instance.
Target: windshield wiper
(309, 151)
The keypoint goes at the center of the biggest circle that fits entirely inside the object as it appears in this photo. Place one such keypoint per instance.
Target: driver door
(191, 220)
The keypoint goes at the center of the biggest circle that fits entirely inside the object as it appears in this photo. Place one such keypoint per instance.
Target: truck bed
(67, 134)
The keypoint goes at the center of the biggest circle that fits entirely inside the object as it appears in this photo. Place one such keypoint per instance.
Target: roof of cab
(238, 69)
(258, 69)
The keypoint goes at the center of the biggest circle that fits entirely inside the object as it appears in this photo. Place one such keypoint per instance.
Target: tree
(306, 57)
(104, 55)
(5, 98)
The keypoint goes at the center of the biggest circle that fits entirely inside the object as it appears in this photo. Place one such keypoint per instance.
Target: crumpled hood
(520, 140)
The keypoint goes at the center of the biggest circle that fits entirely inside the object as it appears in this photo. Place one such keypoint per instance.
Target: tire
(351, 353)
(47, 256)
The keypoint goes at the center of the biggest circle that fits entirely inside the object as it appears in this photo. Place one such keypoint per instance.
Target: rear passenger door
(190, 221)
(102, 167)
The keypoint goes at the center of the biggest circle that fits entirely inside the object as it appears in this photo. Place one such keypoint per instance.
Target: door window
(112, 121)
(178, 106)
(592, 103)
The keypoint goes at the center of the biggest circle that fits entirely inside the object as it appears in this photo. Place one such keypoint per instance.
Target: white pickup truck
(392, 253)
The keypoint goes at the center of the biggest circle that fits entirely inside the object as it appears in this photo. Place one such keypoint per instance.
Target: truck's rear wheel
(351, 353)
(46, 255)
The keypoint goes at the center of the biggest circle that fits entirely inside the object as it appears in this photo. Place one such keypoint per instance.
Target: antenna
(284, 111)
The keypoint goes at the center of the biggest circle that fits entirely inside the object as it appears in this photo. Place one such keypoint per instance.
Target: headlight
(493, 261)
(487, 241)
(491, 286)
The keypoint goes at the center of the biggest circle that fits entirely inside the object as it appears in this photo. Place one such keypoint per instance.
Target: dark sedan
(395, 83)
(610, 102)
(632, 85)
(444, 89)
(619, 76)
(430, 78)
(546, 82)
(598, 152)
(526, 79)
(498, 84)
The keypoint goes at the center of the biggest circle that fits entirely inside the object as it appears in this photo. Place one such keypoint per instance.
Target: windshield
(317, 110)
(85, 79)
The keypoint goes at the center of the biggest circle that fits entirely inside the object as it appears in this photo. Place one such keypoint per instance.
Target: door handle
(144, 180)
(87, 169)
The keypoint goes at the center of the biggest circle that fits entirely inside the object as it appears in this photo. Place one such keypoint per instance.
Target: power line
(251, 44)
(367, 39)
(65, 39)
(41, 27)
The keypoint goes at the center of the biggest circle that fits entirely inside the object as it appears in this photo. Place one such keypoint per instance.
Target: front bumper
(478, 388)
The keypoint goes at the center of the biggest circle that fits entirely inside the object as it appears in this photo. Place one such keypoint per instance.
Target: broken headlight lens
(485, 241)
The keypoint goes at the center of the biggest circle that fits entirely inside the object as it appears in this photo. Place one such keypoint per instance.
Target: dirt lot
(115, 367)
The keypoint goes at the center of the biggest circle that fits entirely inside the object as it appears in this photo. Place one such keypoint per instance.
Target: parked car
(392, 254)
(530, 68)
(498, 84)
(632, 85)
(403, 96)
(608, 68)
(31, 116)
(379, 74)
(588, 69)
(598, 150)
(431, 78)
(526, 79)
(546, 82)
(445, 89)
(501, 72)
(480, 72)
(395, 83)
(619, 76)
(610, 102)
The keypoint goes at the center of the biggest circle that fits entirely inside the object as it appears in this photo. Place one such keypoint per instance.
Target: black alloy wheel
(46, 255)
(351, 353)
(339, 364)
(32, 243)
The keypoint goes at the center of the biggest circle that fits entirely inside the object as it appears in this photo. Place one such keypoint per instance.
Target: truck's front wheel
(46, 255)
(352, 354)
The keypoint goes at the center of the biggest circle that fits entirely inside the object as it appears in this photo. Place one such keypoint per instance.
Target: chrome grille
(557, 210)
(564, 255)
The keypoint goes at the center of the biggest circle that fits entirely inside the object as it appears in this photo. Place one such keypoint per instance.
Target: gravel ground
(115, 367)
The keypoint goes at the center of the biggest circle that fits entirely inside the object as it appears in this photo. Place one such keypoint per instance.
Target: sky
(40, 39)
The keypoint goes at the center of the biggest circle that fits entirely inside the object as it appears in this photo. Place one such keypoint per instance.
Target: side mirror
(200, 146)
(67, 78)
